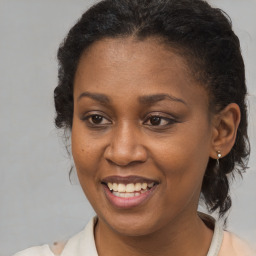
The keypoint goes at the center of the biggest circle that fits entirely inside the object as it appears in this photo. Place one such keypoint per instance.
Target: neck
(186, 236)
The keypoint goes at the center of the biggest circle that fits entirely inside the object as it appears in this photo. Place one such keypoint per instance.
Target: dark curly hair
(202, 35)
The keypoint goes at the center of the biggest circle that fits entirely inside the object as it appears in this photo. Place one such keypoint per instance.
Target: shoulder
(225, 243)
(235, 246)
(45, 250)
(36, 251)
(80, 244)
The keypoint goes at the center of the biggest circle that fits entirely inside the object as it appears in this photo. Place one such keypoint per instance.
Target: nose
(125, 146)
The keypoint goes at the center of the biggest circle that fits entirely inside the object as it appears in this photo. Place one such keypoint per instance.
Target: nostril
(124, 164)
(124, 153)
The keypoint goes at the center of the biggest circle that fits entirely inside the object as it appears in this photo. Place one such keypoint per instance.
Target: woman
(154, 95)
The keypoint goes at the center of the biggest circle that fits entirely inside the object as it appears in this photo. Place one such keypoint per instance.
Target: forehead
(132, 66)
(122, 53)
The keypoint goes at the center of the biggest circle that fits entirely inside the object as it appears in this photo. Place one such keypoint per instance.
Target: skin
(175, 152)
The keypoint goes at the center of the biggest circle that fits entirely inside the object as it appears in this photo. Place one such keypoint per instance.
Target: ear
(225, 125)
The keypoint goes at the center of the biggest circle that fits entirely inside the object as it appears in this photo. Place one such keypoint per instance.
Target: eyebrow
(147, 99)
(102, 98)
(151, 99)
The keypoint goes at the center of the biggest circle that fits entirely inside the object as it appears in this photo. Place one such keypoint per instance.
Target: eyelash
(90, 123)
(160, 118)
(168, 120)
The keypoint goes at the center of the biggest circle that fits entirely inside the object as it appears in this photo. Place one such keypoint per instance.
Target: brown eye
(96, 119)
(161, 121)
(155, 120)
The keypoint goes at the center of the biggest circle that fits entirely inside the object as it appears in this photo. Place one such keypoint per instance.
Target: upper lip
(127, 179)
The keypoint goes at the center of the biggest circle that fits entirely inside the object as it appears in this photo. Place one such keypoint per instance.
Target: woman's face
(141, 135)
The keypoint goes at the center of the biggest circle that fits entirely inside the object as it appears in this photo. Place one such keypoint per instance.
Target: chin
(136, 225)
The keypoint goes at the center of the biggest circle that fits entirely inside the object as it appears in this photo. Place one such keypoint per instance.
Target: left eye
(97, 120)
(158, 121)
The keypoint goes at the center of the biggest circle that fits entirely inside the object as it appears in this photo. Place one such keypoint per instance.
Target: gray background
(37, 202)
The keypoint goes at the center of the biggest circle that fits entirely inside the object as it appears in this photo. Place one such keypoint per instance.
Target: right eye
(96, 120)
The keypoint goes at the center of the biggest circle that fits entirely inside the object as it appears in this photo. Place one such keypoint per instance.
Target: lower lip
(128, 202)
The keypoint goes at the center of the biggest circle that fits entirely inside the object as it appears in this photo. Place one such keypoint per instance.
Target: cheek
(185, 150)
(86, 162)
(85, 152)
(183, 160)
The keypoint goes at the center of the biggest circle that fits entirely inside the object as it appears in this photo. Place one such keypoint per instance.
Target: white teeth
(151, 185)
(125, 194)
(121, 188)
(138, 187)
(114, 187)
(144, 185)
(110, 186)
(121, 194)
(130, 188)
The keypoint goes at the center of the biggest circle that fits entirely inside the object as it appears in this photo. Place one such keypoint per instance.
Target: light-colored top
(83, 244)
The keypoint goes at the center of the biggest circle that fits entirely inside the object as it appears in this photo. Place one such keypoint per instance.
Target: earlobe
(225, 129)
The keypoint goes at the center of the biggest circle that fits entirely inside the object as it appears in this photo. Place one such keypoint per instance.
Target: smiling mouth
(129, 190)
(128, 187)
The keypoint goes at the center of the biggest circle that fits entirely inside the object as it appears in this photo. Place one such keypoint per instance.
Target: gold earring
(218, 157)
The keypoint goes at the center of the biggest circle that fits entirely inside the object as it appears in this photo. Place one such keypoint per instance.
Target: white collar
(84, 244)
